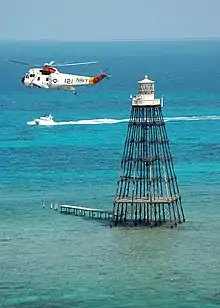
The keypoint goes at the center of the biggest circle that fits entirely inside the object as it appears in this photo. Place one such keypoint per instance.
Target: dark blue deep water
(53, 260)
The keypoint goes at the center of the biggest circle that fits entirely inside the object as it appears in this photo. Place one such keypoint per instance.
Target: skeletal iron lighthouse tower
(147, 192)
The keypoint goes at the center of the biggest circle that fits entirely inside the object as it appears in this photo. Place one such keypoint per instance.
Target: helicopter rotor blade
(50, 63)
(30, 64)
(75, 64)
(19, 62)
(24, 63)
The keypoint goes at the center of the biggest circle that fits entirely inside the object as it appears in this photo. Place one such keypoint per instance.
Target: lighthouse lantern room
(145, 96)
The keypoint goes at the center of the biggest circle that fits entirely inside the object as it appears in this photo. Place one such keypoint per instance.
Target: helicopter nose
(22, 80)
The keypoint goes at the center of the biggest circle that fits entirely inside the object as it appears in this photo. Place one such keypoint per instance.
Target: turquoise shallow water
(53, 260)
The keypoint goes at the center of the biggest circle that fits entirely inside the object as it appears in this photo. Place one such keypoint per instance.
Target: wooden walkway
(85, 211)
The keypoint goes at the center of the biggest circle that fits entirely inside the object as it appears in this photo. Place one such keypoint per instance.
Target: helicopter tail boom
(97, 79)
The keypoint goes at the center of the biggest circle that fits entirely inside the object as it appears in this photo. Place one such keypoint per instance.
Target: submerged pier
(86, 211)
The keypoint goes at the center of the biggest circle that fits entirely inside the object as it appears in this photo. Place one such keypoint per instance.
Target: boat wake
(115, 121)
(82, 122)
(192, 118)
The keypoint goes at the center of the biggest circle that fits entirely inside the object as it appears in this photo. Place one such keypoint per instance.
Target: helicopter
(47, 76)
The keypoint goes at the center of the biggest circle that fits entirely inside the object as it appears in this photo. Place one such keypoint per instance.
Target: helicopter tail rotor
(105, 72)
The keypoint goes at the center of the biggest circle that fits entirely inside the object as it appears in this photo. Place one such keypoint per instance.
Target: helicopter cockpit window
(32, 75)
(26, 76)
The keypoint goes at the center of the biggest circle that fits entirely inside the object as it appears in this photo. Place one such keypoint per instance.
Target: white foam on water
(31, 123)
(82, 122)
(116, 121)
(192, 118)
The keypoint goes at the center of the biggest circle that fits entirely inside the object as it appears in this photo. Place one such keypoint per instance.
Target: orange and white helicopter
(48, 77)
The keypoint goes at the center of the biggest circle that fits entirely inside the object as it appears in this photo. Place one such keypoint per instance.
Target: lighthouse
(147, 191)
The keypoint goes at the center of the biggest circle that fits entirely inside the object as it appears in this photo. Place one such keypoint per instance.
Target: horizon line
(110, 40)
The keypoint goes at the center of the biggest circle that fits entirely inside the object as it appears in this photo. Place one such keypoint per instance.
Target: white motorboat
(45, 120)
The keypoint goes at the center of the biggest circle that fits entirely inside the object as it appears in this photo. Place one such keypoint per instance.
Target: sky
(106, 20)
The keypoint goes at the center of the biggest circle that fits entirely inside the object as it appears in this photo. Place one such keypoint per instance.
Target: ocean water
(53, 260)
